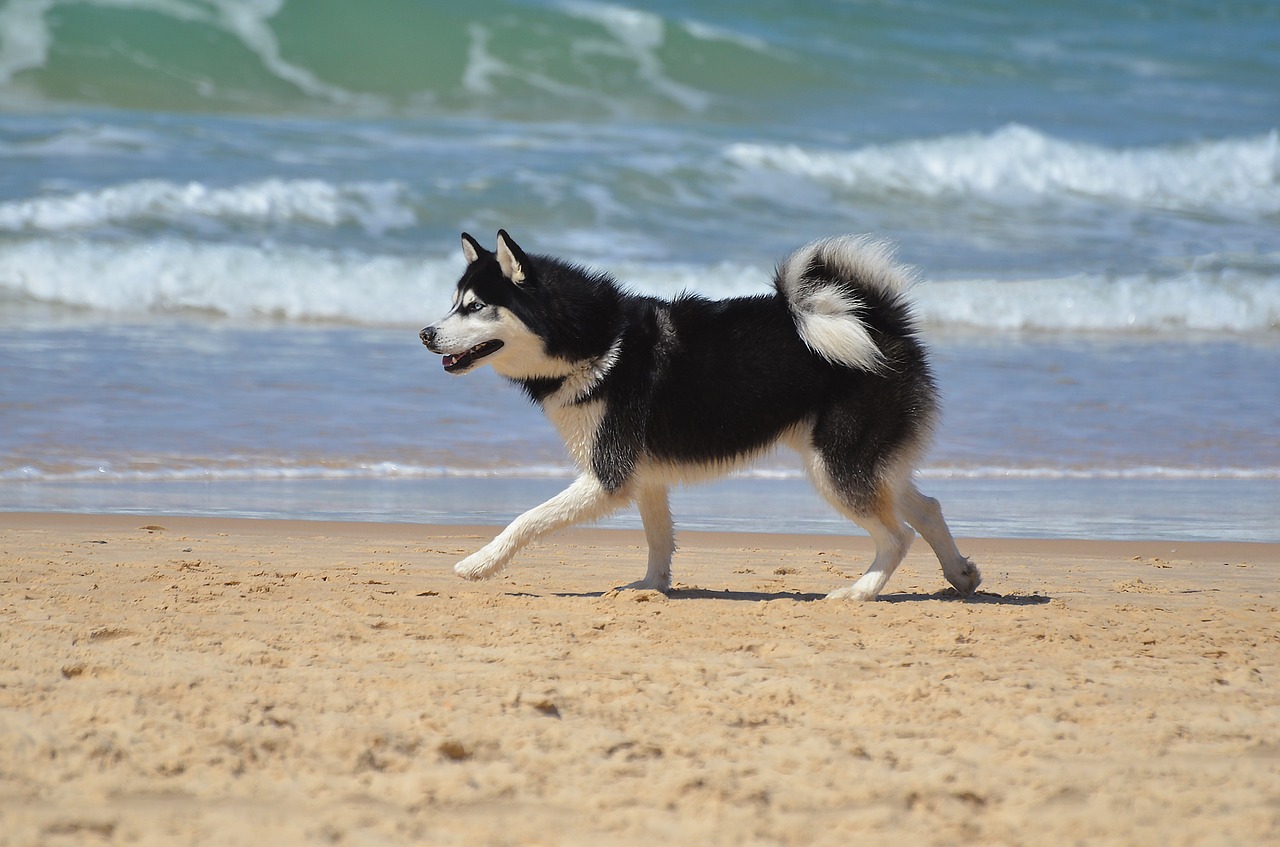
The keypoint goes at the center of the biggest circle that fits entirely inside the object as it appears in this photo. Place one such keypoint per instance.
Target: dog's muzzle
(459, 362)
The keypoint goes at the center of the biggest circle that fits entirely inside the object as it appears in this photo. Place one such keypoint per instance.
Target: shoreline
(210, 680)
(1112, 509)
(1265, 552)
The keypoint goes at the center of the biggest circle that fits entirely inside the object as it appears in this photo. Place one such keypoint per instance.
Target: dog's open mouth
(461, 361)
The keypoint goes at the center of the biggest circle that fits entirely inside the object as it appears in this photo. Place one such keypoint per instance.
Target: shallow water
(1053, 437)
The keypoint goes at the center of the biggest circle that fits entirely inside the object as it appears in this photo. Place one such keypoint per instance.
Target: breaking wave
(1211, 294)
(1017, 165)
(374, 206)
(219, 470)
(589, 58)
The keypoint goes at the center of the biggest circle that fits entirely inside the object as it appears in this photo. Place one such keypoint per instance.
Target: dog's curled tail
(832, 284)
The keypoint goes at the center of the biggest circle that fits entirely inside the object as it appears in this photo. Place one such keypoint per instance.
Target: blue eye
(472, 307)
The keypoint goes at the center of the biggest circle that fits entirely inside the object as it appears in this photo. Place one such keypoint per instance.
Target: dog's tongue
(450, 360)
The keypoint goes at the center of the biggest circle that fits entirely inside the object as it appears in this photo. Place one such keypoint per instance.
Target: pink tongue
(449, 361)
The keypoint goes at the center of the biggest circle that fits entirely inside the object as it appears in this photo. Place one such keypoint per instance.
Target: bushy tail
(832, 286)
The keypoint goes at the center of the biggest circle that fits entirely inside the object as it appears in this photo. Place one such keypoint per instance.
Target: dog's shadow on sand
(979, 598)
(944, 596)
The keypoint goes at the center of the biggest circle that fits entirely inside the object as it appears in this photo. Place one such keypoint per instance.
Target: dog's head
(486, 324)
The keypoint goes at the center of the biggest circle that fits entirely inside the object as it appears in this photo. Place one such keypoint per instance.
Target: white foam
(710, 32)
(637, 35)
(249, 20)
(1230, 301)
(483, 68)
(220, 470)
(85, 141)
(719, 280)
(1017, 165)
(1100, 473)
(226, 469)
(1215, 294)
(1210, 294)
(1047, 472)
(375, 206)
(24, 37)
(639, 30)
(233, 280)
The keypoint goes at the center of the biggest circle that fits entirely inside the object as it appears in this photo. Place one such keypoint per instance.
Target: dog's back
(829, 360)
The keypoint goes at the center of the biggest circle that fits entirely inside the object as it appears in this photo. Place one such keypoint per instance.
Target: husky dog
(647, 392)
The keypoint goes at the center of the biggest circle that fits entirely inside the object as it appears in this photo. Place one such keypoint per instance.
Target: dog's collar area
(589, 374)
(459, 361)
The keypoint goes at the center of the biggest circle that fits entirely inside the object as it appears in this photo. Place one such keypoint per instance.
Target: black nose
(428, 335)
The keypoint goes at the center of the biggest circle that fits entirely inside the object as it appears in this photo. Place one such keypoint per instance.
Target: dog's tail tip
(830, 284)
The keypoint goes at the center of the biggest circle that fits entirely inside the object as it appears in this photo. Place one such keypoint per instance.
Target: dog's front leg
(585, 500)
(655, 511)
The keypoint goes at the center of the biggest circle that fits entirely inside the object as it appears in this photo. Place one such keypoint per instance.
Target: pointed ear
(515, 264)
(471, 249)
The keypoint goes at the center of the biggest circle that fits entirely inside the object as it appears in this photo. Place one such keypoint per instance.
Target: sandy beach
(202, 681)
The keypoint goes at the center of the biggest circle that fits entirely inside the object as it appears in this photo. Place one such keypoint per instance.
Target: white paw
(646, 584)
(478, 565)
(853, 592)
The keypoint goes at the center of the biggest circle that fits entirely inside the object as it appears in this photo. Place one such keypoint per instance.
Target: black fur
(707, 382)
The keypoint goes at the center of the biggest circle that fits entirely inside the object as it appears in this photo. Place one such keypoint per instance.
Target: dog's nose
(428, 335)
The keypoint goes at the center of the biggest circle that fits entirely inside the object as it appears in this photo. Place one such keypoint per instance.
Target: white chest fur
(578, 422)
(577, 425)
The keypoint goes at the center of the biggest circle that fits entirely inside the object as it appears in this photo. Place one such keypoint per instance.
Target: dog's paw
(965, 578)
(478, 566)
(660, 585)
(854, 592)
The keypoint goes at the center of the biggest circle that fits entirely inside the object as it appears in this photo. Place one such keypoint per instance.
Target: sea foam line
(236, 281)
(395, 471)
(239, 473)
(375, 206)
(1016, 165)
(1215, 294)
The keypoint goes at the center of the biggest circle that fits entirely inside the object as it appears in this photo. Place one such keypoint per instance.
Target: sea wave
(272, 55)
(1202, 297)
(852, 68)
(1211, 294)
(225, 471)
(374, 206)
(78, 139)
(1016, 190)
(235, 281)
(1100, 473)
(1017, 165)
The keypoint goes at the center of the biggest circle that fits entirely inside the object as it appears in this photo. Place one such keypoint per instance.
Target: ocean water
(223, 221)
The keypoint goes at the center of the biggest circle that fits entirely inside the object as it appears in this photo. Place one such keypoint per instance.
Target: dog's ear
(514, 263)
(471, 249)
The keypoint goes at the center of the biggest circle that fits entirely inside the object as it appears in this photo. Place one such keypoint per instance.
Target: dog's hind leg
(925, 515)
(892, 539)
(877, 515)
(659, 532)
(585, 500)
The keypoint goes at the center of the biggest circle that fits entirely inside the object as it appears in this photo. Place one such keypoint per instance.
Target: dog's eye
(472, 307)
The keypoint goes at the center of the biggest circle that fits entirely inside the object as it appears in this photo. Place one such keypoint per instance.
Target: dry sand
(187, 681)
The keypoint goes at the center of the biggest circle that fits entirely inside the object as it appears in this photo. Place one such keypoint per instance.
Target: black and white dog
(647, 393)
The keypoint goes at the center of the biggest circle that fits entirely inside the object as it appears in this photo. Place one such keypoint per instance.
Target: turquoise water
(222, 222)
